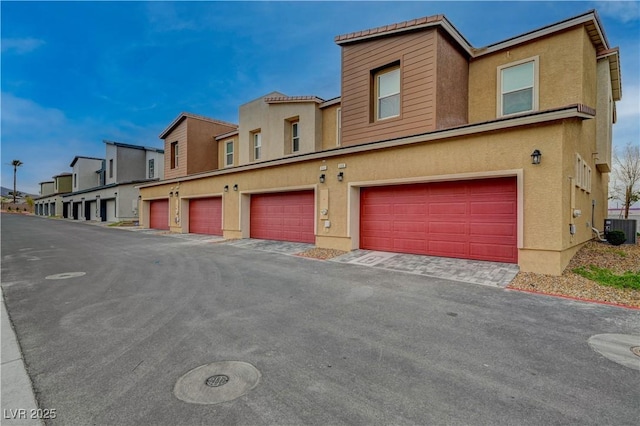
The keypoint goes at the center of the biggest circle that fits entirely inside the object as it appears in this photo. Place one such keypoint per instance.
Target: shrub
(616, 237)
(9, 208)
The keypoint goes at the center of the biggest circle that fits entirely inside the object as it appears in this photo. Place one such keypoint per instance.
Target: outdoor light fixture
(226, 188)
(322, 178)
(171, 194)
(176, 193)
(535, 156)
(340, 176)
(235, 187)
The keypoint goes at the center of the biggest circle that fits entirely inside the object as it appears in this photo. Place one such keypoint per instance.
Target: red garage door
(205, 216)
(473, 219)
(283, 216)
(159, 213)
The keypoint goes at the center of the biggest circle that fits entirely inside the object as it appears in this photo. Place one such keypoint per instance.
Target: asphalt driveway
(107, 341)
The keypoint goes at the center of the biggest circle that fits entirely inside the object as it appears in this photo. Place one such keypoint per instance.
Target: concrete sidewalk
(19, 405)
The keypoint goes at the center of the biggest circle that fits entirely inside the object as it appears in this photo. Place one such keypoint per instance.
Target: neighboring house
(434, 147)
(189, 144)
(50, 201)
(105, 190)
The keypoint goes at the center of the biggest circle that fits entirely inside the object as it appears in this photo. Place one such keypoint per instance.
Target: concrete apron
(494, 274)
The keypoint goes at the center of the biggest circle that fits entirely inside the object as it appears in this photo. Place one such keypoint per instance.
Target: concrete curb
(19, 406)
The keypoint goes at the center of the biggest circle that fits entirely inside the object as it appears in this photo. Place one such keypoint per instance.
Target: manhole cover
(217, 382)
(65, 275)
(621, 348)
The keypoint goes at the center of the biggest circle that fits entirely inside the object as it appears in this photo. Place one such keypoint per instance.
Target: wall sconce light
(176, 193)
(340, 176)
(535, 156)
(171, 194)
(226, 188)
(235, 187)
(322, 178)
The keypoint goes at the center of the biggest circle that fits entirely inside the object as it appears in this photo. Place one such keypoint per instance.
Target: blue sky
(76, 73)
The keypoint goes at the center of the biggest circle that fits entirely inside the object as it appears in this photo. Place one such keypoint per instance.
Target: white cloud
(21, 45)
(624, 11)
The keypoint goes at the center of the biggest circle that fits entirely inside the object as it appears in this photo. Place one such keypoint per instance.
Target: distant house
(434, 147)
(103, 189)
(49, 203)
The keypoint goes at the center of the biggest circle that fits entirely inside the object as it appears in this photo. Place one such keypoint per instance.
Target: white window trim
(152, 168)
(377, 76)
(227, 153)
(257, 145)
(536, 85)
(293, 139)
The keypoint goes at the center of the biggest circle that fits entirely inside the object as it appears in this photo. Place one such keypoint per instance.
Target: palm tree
(15, 164)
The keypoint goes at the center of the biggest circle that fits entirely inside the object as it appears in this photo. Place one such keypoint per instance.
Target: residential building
(50, 201)
(105, 190)
(434, 147)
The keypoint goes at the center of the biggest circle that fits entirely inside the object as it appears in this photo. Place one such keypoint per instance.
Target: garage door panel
(443, 219)
(493, 208)
(158, 214)
(205, 216)
(283, 216)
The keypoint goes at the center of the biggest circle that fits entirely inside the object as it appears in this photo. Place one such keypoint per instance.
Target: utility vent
(628, 226)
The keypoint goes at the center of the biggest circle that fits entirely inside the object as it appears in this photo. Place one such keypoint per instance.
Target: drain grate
(217, 380)
(636, 350)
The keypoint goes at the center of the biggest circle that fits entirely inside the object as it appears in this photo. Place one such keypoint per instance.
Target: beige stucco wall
(273, 121)
(565, 77)
(544, 219)
(329, 129)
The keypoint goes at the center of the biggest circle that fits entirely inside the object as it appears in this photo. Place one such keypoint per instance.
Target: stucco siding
(130, 164)
(561, 75)
(329, 127)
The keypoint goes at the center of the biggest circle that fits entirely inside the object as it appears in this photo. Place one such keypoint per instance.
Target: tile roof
(412, 24)
(287, 99)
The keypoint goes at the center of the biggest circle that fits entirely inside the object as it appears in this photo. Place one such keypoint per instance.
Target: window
(151, 168)
(257, 145)
(518, 91)
(228, 154)
(75, 180)
(174, 155)
(295, 137)
(111, 168)
(387, 90)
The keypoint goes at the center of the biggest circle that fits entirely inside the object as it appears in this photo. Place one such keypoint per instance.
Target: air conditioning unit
(628, 226)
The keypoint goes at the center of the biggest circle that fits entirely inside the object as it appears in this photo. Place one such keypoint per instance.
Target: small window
(174, 155)
(295, 137)
(111, 168)
(578, 177)
(257, 145)
(75, 180)
(228, 154)
(151, 168)
(518, 91)
(387, 90)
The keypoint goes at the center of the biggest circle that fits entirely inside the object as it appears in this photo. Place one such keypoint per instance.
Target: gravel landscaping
(618, 259)
(321, 253)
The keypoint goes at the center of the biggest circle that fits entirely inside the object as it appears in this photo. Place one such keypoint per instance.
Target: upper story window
(256, 138)
(387, 90)
(175, 155)
(75, 180)
(518, 87)
(111, 168)
(152, 168)
(295, 136)
(228, 153)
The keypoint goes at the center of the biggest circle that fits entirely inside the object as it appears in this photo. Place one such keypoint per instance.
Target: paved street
(109, 321)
